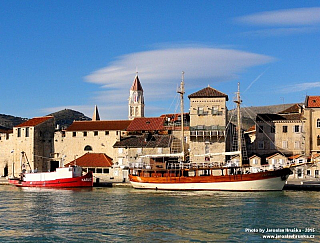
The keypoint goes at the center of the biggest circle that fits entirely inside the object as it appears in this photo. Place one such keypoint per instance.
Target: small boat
(63, 177)
(221, 176)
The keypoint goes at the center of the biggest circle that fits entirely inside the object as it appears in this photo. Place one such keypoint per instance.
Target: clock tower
(136, 99)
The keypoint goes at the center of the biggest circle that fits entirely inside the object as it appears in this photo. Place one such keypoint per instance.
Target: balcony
(207, 131)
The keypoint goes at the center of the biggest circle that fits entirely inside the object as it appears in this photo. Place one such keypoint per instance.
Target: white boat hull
(270, 184)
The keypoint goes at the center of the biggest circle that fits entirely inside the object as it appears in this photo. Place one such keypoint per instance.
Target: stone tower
(136, 100)
(96, 116)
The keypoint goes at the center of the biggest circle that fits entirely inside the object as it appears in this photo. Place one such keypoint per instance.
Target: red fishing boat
(64, 177)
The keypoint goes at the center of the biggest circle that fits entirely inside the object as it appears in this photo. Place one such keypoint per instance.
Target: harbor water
(129, 215)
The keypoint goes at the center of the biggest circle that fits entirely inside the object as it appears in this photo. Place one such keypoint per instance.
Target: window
(284, 144)
(273, 161)
(200, 111)
(296, 128)
(120, 150)
(106, 171)
(299, 172)
(318, 123)
(318, 140)
(95, 133)
(74, 134)
(19, 132)
(297, 144)
(273, 129)
(284, 129)
(260, 129)
(85, 134)
(215, 110)
(27, 131)
(88, 148)
(63, 134)
(316, 173)
(254, 161)
(99, 170)
(308, 172)
(139, 150)
(260, 145)
(91, 169)
(206, 149)
(106, 133)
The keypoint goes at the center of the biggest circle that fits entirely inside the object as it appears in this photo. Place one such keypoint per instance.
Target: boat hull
(81, 181)
(262, 181)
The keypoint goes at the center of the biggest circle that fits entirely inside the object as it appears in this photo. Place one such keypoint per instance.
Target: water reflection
(124, 214)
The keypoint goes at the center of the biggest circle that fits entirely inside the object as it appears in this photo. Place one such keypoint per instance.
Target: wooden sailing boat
(207, 176)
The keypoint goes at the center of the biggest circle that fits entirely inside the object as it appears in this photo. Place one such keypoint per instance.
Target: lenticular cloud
(165, 66)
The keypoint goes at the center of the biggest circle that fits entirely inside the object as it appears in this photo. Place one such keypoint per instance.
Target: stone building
(148, 141)
(208, 119)
(312, 125)
(28, 147)
(284, 132)
(88, 136)
(100, 165)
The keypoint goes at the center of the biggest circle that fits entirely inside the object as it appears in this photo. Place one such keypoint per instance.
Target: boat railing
(194, 165)
(181, 165)
(139, 165)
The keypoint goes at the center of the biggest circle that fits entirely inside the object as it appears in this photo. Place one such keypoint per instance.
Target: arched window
(88, 148)
(318, 123)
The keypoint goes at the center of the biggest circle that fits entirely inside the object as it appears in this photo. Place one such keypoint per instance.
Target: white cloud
(280, 31)
(299, 87)
(160, 70)
(287, 17)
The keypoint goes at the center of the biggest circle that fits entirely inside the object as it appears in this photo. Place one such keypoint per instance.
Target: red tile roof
(313, 101)
(208, 92)
(147, 124)
(274, 155)
(251, 129)
(315, 156)
(99, 125)
(295, 156)
(92, 160)
(296, 108)
(35, 121)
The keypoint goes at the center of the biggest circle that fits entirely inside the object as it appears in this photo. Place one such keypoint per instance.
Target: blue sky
(77, 54)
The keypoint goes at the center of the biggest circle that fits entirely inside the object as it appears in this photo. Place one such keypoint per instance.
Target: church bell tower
(136, 99)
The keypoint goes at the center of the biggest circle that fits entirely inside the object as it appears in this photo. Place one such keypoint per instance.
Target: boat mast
(238, 102)
(181, 92)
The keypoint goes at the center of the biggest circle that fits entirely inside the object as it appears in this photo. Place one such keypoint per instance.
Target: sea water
(130, 215)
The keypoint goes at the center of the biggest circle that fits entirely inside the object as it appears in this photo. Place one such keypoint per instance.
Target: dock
(302, 185)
